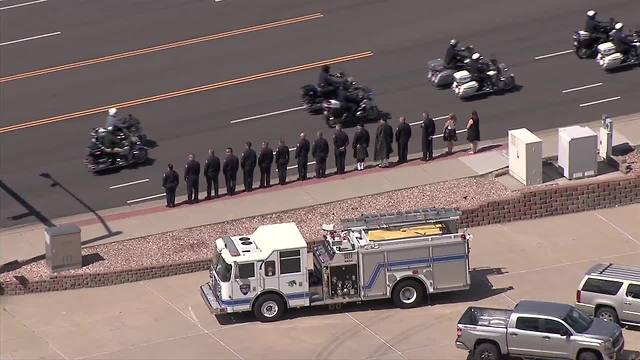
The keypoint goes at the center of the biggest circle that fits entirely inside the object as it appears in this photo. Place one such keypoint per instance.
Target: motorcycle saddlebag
(467, 89)
(436, 65)
(612, 60)
(443, 78)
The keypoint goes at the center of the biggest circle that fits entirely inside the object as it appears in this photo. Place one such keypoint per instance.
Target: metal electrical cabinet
(577, 152)
(63, 248)
(525, 156)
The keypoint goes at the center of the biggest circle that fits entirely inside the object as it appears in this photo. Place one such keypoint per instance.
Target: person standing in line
(211, 172)
(383, 145)
(340, 143)
(192, 178)
(449, 134)
(403, 135)
(320, 152)
(428, 131)
(170, 181)
(360, 146)
(302, 156)
(248, 163)
(264, 163)
(230, 168)
(282, 161)
(473, 131)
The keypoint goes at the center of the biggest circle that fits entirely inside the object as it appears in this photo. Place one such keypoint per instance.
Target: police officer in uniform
(192, 177)
(211, 172)
(248, 163)
(403, 134)
(282, 160)
(302, 156)
(264, 163)
(170, 181)
(230, 171)
(340, 142)
(320, 152)
(428, 131)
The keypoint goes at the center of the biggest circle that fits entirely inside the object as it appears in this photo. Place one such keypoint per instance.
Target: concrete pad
(28, 348)
(486, 162)
(625, 220)
(510, 182)
(452, 169)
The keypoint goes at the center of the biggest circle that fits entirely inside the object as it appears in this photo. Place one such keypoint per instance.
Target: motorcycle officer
(623, 42)
(452, 55)
(113, 119)
(478, 69)
(117, 150)
(595, 28)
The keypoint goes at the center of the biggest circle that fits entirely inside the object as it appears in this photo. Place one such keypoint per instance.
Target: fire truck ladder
(401, 219)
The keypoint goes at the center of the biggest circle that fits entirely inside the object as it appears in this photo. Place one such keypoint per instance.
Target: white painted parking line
(145, 198)
(129, 183)
(376, 335)
(31, 38)
(295, 166)
(601, 101)
(554, 54)
(438, 118)
(23, 4)
(581, 88)
(617, 228)
(267, 114)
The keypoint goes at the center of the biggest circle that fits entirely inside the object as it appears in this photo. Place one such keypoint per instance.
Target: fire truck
(403, 256)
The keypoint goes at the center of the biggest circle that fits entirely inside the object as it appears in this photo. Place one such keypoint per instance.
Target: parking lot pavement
(166, 319)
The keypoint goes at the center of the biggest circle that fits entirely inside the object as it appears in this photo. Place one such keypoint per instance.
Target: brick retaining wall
(576, 196)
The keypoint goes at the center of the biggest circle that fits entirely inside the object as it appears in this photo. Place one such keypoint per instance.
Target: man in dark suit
(170, 181)
(192, 178)
(230, 171)
(320, 152)
(340, 143)
(302, 156)
(211, 172)
(282, 160)
(264, 163)
(403, 134)
(248, 163)
(428, 130)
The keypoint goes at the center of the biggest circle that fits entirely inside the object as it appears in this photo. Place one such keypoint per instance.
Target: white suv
(611, 292)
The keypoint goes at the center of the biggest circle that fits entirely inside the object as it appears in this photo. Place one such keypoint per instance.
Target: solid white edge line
(376, 335)
(31, 38)
(145, 198)
(618, 228)
(295, 166)
(437, 118)
(129, 183)
(265, 115)
(601, 101)
(554, 54)
(23, 4)
(581, 88)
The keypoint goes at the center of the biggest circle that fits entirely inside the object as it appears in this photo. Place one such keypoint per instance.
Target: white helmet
(113, 111)
(453, 42)
(619, 26)
(475, 56)
(591, 13)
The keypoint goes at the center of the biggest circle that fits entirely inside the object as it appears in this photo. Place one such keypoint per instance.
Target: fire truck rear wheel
(408, 294)
(269, 307)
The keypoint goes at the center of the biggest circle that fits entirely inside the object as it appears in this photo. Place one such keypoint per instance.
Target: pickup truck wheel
(608, 314)
(268, 308)
(408, 294)
(487, 351)
(588, 355)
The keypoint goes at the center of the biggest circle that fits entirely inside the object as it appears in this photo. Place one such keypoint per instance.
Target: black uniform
(248, 164)
(622, 42)
(230, 172)
(361, 138)
(451, 57)
(282, 160)
(264, 163)
(211, 172)
(428, 130)
(403, 134)
(340, 142)
(302, 157)
(192, 178)
(320, 152)
(170, 181)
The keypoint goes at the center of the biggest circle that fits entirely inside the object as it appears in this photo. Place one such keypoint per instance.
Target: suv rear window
(600, 286)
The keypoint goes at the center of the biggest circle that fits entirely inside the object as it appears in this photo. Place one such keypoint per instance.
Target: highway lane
(396, 71)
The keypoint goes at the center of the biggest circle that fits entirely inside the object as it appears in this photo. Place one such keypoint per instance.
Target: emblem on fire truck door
(244, 288)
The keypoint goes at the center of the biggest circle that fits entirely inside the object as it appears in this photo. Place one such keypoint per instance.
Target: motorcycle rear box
(607, 48)
(462, 77)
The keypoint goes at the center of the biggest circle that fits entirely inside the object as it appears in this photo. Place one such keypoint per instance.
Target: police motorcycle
(313, 95)
(496, 80)
(441, 76)
(365, 112)
(128, 150)
(609, 58)
(586, 44)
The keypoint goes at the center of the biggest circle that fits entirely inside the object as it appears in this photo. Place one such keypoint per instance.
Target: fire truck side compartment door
(374, 274)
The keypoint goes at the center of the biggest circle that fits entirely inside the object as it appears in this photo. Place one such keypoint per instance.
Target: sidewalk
(21, 243)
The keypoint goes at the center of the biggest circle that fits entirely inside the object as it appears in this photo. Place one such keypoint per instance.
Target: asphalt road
(401, 35)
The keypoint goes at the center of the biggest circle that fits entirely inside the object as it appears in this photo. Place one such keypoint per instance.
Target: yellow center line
(188, 91)
(160, 47)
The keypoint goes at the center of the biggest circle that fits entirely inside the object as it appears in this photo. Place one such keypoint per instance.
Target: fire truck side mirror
(261, 265)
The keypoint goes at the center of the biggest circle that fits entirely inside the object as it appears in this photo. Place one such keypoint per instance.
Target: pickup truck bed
(476, 316)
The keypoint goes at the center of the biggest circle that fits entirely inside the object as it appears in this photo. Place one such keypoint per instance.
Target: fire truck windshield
(222, 269)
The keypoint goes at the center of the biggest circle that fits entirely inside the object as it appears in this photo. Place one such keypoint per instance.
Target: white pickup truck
(540, 330)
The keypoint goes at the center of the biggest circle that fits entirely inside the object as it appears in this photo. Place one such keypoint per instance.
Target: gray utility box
(577, 152)
(63, 247)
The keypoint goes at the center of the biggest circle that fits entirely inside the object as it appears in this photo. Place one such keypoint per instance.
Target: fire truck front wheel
(269, 307)
(408, 294)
